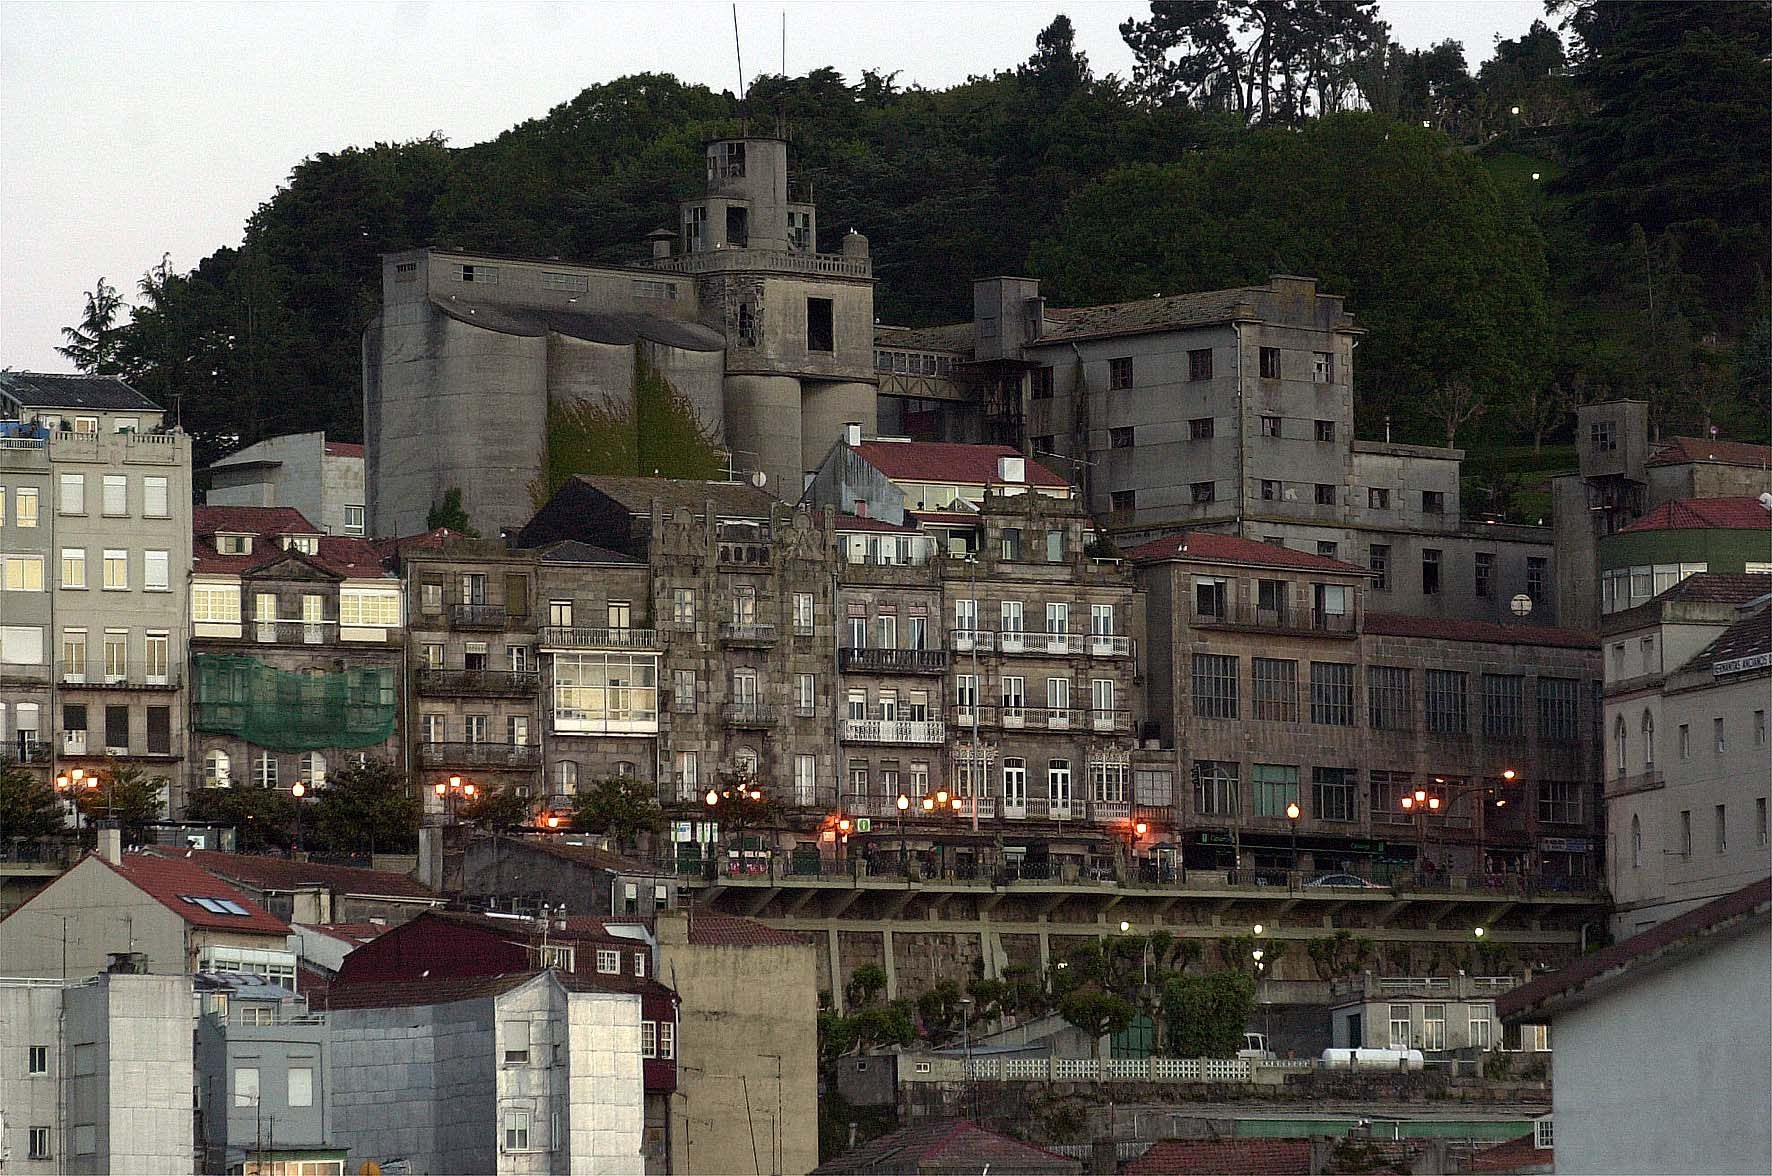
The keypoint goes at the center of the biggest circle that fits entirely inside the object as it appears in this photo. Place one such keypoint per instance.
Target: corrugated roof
(1680, 450)
(947, 462)
(730, 499)
(1720, 587)
(167, 880)
(1224, 1157)
(948, 1145)
(1210, 546)
(54, 390)
(578, 552)
(1751, 636)
(953, 337)
(1741, 513)
(276, 873)
(1440, 629)
(1148, 314)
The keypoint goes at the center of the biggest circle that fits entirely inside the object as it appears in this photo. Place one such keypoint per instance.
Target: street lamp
(449, 790)
(71, 783)
(1478, 932)
(904, 858)
(298, 790)
(1293, 812)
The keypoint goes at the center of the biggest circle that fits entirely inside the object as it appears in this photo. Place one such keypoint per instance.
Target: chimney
(110, 842)
(852, 433)
(662, 241)
(1013, 470)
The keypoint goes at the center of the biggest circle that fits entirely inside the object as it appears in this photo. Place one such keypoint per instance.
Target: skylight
(217, 906)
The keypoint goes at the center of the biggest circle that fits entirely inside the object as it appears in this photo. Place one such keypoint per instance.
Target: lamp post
(966, 1029)
(298, 790)
(449, 791)
(71, 783)
(1293, 812)
(904, 857)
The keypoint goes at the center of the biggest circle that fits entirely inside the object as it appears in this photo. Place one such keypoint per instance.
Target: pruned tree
(1454, 403)
(1097, 1014)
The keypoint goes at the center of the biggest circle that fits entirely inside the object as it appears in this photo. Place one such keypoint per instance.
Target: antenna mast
(738, 51)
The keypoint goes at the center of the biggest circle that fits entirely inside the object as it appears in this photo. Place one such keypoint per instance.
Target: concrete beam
(971, 927)
(760, 901)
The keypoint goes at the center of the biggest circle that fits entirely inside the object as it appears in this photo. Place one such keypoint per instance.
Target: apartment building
(303, 471)
(1299, 719)
(95, 549)
(297, 650)
(1687, 753)
(97, 1074)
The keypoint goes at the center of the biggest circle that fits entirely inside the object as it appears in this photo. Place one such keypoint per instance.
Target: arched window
(216, 767)
(624, 767)
(566, 777)
(313, 769)
(264, 770)
(1636, 842)
(745, 761)
(1648, 741)
(1620, 745)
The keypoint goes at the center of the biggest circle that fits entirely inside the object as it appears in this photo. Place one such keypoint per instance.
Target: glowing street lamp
(1293, 812)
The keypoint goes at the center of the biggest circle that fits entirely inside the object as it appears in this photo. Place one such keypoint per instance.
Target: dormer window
(234, 544)
(306, 544)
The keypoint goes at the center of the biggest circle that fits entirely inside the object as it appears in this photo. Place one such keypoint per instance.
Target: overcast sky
(139, 129)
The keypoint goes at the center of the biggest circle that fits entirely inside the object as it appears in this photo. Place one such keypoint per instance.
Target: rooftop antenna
(738, 51)
(784, 42)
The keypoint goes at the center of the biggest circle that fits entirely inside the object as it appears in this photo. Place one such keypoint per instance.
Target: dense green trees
(1587, 217)
(29, 807)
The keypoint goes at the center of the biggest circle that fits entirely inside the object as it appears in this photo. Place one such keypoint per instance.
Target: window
(1447, 712)
(73, 499)
(1559, 802)
(1685, 849)
(21, 573)
(1430, 572)
(648, 1039)
(1433, 502)
(1123, 500)
(1485, 573)
(264, 770)
(1211, 597)
(116, 495)
(1215, 788)
(1535, 567)
(1759, 728)
(1332, 694)
(965, 691)
(1199, 364)
(1270, 426)
(1107, 782)
(1378, 498)
(1386, 797)
(37, 1144)
(1120, 373)
(1433, 1027)
(1400, 1022)
(1011, 542)
(805, 694)
(516, 1124)
(803, 613)
(608, 961)
(1215, 686)
(24, 507)
(353, 520)
(805, 779)
(1200, 429)
(312, 769)
(369, 608)
(1201, 492)
(73, 567)
(1276, 786)
(1719, 736)
(1058, 697)
(1603, 436)
(667, 1040)
(156, 571)
(301, 1086)
(1760, 832)
(1270, 363)
(1274, 689)
(1685, 741)
(820, 331)
(215, 769)
(1042, 383)
(1722, 828)
(1325, 494)
(688, 770)
(1328, 548)
(1648, 729)
(486, 275)
(1270, 490)
(1379, 557)
(116, 657)
(516, 1048)
(1121, 438)
(37, 1060)
(1333, 794)
(1055, 547)
(1556, 710)
(1322, 367)
(1636, 842)
(246, 1086)
(1326, 431)
(1504, 706)
(640, 956)
(1014, 695)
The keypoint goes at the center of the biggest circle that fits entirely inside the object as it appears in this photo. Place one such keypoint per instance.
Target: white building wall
(1670, 1073)
(606, 1119)
(137, 1099)
(30, 1017)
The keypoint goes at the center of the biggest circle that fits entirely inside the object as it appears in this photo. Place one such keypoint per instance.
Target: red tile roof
(343, 556)
(711, 930)
(251, 520)
(1720, 587)
(1680, 450)
(941, 461)
(1520, 1153)
(168, 879)
(1211, 547)
(1224, 1157)
(948, 1146)
(849, 522)
(1544, 995)
(1739, 513)
(264, 872)
(1438, 629)
(343, 449)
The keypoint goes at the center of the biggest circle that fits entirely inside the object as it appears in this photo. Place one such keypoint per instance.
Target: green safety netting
(283, 710)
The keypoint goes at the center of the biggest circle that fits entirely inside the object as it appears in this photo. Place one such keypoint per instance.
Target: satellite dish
(1522, 605)
(758, 478)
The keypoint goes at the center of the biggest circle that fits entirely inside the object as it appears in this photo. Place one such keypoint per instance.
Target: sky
(136, 130)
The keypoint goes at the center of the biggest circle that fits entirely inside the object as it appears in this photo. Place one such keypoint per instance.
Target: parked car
(1352, 880)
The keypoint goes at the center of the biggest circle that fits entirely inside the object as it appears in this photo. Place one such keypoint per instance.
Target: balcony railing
(479, 616)
(967, 640)
(1109, 645)
(723, 260)
(1042, 718)
(894, 661)
(291, 632)
(491, 683)
(926, 731)
(33, 751)
(750, 714)
(591, 637)
(747, 633)
(130, 676)
(479, 755)
(1050, 644)
(744, 555)
(1240, 614)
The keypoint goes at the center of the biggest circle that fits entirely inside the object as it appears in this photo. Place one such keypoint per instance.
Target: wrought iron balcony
(594, 637)
(478, 616)
(479, 755)
(894, 661)
(747, 633)
(913, 731)
(129, 676)
(1240, 614)
(750, 714)
(488, 683)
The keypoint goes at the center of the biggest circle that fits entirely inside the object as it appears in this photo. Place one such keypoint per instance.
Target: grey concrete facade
(322, 479)
(264, 1076)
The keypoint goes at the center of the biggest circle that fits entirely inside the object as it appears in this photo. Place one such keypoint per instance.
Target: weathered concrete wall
(103, 914)
(763, 429)
(136, 1103)
(825, 409)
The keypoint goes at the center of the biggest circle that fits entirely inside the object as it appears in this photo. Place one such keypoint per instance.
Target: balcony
(479, 755)
(748, 633)
(478, 683)
(131, 676)
(31, 751)
(1243, 615)
(589, 637)
(1109, 645)
(751, 715)
(893, 661)
(968, 640)
(478, 616)
(1047, 644)
(923, 732)
(1042, 718)
(743, 555)
(774, 260)
(275, 632)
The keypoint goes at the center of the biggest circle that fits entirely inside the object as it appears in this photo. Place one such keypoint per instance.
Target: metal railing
(291, 632)
(1042, 718)
(750, 714)
(894, 661)
(479, 755)
(747, 633)
(966, 640)
(1242, 614)
(478, 616)
(781, 260)
(509, 683)
(597, 637)
(914, 731)
(129, 676)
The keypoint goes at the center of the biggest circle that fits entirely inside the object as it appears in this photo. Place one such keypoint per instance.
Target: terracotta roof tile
(1209, 546)
(1680, 450)
(343, 449)
(251, 520)
(167, 880)
(711, 930)
(849, 522)
(276, 873)
(955, 337)
(1439, 629)
(1521, 1152)
(1751, 636)
(942, 461)
(948, 1145)
(1224, 1157)
(1720, 587)
(1738, 513)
